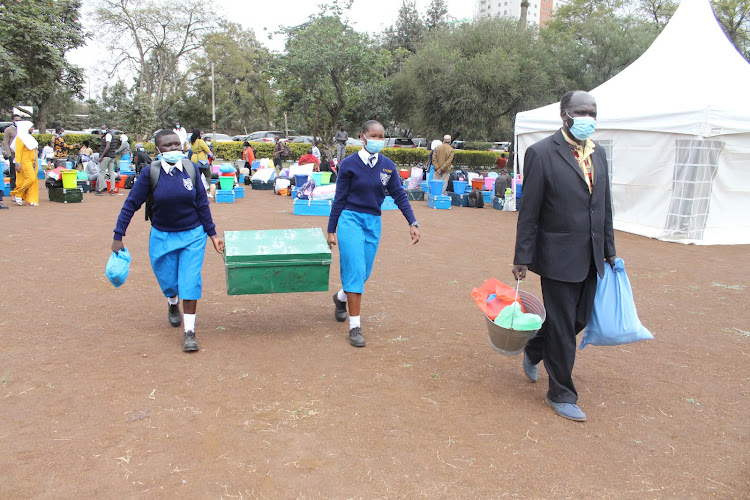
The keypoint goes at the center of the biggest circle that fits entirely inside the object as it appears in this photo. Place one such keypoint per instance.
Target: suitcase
(84, 186)
(440, 201)
(62, 195)
(276, 261)
(459, 200)
(312, 207)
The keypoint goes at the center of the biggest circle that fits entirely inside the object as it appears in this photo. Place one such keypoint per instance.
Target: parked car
(266, 136)
(458, 144)
(399, 142)
(419, 142)
(354, 142)
(500, 147)
(304, 139)
(217, 138)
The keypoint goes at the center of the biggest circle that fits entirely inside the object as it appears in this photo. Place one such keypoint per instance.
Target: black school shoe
(340, 312)
(356, 338)
(173, 314)
(188, 342)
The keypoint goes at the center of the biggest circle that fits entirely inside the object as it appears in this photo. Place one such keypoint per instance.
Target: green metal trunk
(63, 195)
(276, 261)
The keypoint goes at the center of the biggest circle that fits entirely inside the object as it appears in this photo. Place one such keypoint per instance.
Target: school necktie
(372, 160)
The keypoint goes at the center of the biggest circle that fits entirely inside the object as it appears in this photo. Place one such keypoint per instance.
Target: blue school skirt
(177, 260)
(358, 239)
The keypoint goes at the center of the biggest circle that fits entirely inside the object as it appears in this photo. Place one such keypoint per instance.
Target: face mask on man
(583, 126)
(172, 157)
(374, 145)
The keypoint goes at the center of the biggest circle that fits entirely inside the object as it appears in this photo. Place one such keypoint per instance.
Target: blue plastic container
(126, 158)
(436, 187)
(459, 187)
(255, 165)
(487, 195)
(241, 179)
(239, 192)
(425, 185)
(224, 196)
(6, 190)
(40, 174)
(440, 202)
(300, 180)
(69, 165)
(388, 204)
(519, 190)
(312, 207)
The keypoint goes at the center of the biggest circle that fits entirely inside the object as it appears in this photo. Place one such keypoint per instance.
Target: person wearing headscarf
(27, 151)
(91, 169)
(124, 148)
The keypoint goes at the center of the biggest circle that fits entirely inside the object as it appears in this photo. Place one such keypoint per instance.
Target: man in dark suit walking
(565, 235)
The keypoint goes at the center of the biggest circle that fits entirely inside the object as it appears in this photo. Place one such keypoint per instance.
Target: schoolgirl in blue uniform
(360, 190)
(180, 221)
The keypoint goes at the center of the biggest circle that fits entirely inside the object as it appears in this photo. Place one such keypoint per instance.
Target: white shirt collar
(365, 157)
(167, 167)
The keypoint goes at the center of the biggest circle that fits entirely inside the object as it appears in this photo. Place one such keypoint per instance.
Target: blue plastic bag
(614, 320)
(118, 267)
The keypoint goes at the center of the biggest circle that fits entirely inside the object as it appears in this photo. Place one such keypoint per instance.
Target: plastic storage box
(224, 196)
(312, 207)
(388, 204)
(497, 202)
(441, 202)
(459, 187)
(487, 195)
(239, 192)
(276, 261)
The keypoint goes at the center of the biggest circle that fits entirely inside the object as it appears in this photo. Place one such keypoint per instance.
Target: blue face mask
(583, 127)
(374, 145)
(173, 157)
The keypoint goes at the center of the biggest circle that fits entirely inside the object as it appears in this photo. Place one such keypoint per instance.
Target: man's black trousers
(568, 307)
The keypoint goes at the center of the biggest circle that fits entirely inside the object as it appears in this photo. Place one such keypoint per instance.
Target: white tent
(676, 128)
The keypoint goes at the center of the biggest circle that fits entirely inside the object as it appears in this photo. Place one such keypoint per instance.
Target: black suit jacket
(561, 227)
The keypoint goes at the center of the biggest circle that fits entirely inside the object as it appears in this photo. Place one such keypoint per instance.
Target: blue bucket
(300, 180)
(69, 165)
(459, 187)
(436, 187)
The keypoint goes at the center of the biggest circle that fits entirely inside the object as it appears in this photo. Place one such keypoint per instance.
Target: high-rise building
(539, 11)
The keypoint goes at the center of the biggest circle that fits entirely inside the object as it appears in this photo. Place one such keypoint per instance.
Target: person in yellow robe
(27, 151)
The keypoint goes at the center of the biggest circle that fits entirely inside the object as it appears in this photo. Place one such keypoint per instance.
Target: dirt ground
(98, 400)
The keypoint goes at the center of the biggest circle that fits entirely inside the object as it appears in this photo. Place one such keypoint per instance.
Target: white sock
(173, 301)
(353, 322)
(341, 295)
(189, 320)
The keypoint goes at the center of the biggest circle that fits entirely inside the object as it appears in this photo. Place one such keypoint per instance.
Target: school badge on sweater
(384, 178)
(188, 183)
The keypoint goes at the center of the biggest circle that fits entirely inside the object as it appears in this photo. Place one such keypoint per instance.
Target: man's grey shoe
(175, 319)
(529, 368)
(188, 343)
(340, 308)
(566, 410)
(356, 338)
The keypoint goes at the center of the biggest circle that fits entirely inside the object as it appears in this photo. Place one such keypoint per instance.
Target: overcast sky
(265, 17)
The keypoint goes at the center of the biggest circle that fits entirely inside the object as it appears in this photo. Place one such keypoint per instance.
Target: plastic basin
(489, 183)
(436, 187)
(325, 177)
(404, 173)
(318, 178)
(300, 180)
(477, 183)
(512, 342)
(69, 179)
(226, 182)
(459, 187)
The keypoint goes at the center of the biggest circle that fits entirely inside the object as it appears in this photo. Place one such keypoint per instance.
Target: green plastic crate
(276, 261)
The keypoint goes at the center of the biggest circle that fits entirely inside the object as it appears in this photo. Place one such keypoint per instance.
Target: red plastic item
(504, 296)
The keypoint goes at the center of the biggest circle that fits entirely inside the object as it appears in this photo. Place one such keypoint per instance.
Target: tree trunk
(524, 12)
(42, 116)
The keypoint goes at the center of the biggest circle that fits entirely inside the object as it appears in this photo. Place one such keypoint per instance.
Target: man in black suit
(565, 235)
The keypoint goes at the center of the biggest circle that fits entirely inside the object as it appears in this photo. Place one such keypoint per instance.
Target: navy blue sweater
(361, 188)
(178, 204)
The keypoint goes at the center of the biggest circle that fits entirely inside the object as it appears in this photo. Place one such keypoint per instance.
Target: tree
(436, 13)
(36, 35)
(154, 43)
(325, 70)
(408, 31)
(471, 81)
(244, 99)
(657, 11)
(593, 40)
(734, 17)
